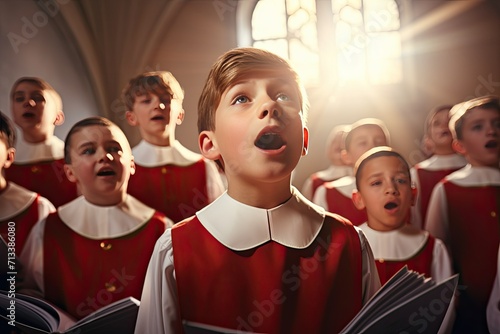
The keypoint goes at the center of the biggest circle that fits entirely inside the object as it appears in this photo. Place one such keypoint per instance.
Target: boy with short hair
(335, 196)
(98, 244)
(444, 160)
(169, 178)
(463, 208)
(261, 246)
(337, 168)
(385, 190)
(20, 208)
(37, 110)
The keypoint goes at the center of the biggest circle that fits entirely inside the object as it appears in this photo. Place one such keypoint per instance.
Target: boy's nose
(30, 102)
(270, 109)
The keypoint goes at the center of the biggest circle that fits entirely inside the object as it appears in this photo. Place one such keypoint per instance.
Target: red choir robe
(85, 256)
(39, 168)
(425, 175)
(336, 197)
(173, 180)
(290, 269)
(464, 213)
(332, 173)
(21, 209)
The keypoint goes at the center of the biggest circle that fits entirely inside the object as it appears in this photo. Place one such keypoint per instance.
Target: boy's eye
(19, 98)
(283, 97)
(375, 183)
(241, 99)
(477, 127)
(115, 149)
(88, 151)
(38, 98)
(401, 181)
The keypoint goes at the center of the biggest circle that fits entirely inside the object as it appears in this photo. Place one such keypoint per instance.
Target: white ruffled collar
(475, 176)
(396, 245)
(14, 200)
(345, 185)
(149, 155)
(103, 222)
(437, 162)
(51, 149)
(295, 224)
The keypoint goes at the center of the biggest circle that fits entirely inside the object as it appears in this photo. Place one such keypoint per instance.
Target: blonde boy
(261, 257)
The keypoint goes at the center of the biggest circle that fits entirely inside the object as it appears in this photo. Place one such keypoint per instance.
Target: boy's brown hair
(459, 110)
(232, 65)
(155, 82)
(7, 131)
(43, 85)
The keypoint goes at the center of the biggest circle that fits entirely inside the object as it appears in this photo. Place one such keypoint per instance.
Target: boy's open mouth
(106, 172)
(390, 206)
(269, 141)
(29, 114)
(158, 118)
(491, 144)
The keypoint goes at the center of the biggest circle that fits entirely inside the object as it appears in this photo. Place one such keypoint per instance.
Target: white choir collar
(475, 176)
(49, 150)
(14, 200)
(438, 162)
(395, 245)
(335, 172)
(103, 222)
(345, 185)
(149, 155)
(238, 226)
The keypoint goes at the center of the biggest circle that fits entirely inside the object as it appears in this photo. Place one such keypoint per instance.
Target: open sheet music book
(34, 315)
(407, 303)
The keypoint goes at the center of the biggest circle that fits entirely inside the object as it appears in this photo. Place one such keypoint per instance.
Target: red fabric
(46, 178)
(76, 268)
(177, 191)
(427, 180)
(421, 263)
(342, 205)
(24, 222)
(474, 239)
(270, 288)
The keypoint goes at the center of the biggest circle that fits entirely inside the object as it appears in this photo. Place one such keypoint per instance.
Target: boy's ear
(458, 146)
(11, 155)
(180, 117)
(131, 118)
(208, 145)
(68, 170)
(357, 199)
(132, 166)
(59, 118)
(346, 158)
(305, 145)
(414, 192)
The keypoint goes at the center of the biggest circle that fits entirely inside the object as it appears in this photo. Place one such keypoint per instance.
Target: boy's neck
(3, 182)
(36, 138)
(444, 151)
(264, 196)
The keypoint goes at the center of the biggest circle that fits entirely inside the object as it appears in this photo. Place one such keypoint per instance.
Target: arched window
(342, 41)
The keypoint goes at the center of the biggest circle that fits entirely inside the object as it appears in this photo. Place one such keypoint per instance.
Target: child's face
(336, 149)
(385, 191)
(33, 109)
(439, 132)
(151, 113)
(364, 138)
(259, 131)
(480, 142)
(101, 164)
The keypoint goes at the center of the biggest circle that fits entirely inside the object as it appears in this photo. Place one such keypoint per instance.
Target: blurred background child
(37, 110)
(336, 169)
(463, 208)
(170, 178)
(336, 196)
